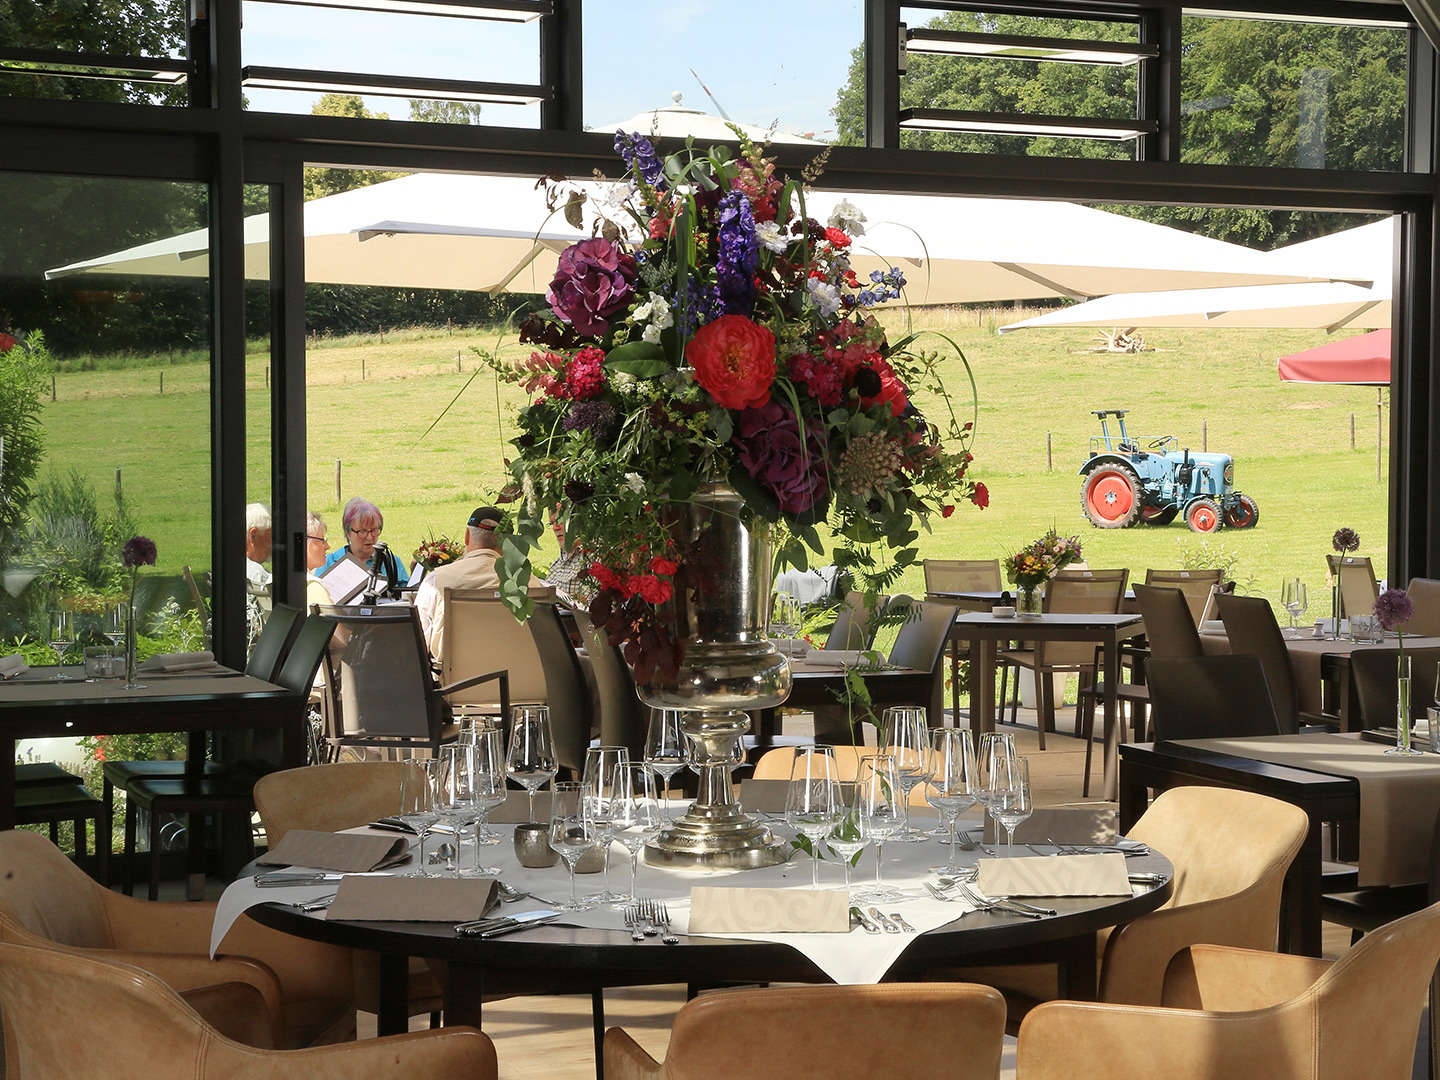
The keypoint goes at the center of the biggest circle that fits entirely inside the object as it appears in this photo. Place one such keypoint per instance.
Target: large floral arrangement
(437, 551)
(1042, 559)
(710, 331)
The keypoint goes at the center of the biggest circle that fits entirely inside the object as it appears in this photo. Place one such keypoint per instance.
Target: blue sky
(782, 60)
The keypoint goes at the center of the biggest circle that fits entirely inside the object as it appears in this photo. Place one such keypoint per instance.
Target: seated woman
(362, 522)
(316, 553)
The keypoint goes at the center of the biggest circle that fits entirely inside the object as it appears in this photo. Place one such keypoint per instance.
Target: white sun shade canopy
(1351, 257)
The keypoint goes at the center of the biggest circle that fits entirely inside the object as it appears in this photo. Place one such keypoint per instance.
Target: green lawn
(1291, 443)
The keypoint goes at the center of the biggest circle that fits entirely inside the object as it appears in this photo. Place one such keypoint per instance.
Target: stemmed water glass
(1009, 799)
(635, 813)
(951, 787)
(785, 617)
(905, 736)
(878, 811)
(530, 760)
(846, 840)
(812, 801)
(598, 782)
(995, 747)
(455, 793)
(666, 748)
(62, 636)
(417, 804)
(1293, 599)
(571, 834)
(489, 761)
(115, 616)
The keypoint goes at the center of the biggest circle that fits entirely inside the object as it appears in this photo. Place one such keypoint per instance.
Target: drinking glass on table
(994, 749)
(115, 616)
(598, 781)
(489, 759)
(785, 617)
(1294, 600)
(455, 794)
(812, 801)
(666, 748)
(62, 636)
(905, 736)
(530, 760)
(878, 810)
(571, 834)
(634, 813)
(417, 804)
(846, 840)
(951, 787)
(1009, 799)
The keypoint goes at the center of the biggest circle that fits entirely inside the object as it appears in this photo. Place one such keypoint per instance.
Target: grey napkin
(347, 853)
(412, 899)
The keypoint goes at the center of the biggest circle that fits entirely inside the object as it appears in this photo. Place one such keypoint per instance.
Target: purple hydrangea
(1345, 540)
(138, 551)
(739, 254)
(639, 155)
(593, 281)
(771, 452)
(595, 416)
(1394, 608)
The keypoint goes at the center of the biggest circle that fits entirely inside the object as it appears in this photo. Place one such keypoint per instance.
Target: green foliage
(1207, 554)
(22, 438)
(321, 182)
(75, 544)
(445, 112)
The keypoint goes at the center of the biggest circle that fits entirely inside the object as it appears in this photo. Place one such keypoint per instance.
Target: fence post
(1379, 435)
(382, 334)
(162, 384)
(1049, 453)
(362, 369)
(1204, 436)
(267, 376)
(457, 359)
(1352, 431)
(449, 331)
(119, 487)
(52, 386)
(338, 501)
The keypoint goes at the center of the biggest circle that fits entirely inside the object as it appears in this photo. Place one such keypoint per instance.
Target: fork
(661, 914)
(319, 903)
(1001, 903)
(633, 919)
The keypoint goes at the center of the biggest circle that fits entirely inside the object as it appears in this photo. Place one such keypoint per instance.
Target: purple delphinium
(1345, 540)
(1394, 608)
(771, 452)
(739, 254)
(702, 304)
(593, 281)
(138, 551)
(639, 155)
(596, 417)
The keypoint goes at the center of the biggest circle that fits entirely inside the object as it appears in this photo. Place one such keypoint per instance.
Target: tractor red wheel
(1110, 496)
(1158, 515)
(1203, 516)
(1242, 512)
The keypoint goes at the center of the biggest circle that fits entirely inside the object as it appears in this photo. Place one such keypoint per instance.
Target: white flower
(660, 312)
(635, 483)
(651, 333)
(825, 296)
(623, 382)
(849, 217)
(616, 195)
(642, 311)
(769, 234)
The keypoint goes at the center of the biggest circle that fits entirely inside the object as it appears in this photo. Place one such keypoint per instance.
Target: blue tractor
(1124, 484)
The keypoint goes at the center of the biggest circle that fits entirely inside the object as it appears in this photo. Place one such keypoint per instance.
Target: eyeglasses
(319, 538)
(364, 532)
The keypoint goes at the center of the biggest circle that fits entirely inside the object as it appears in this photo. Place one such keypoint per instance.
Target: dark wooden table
(814, 687)
(36, 707)
(1322, 796)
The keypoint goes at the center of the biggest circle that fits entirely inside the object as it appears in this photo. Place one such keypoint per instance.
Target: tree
(322, 182)
(445, 112)
(23, 365)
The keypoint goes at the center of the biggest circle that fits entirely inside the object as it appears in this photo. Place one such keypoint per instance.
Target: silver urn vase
(720, 608)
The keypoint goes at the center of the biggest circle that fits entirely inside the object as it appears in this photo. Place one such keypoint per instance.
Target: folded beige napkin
(178, 661)
(1083, 825)
(1058, 875)
(769, 911)
(833, 658)
(346, 853)
(12, 666)
(412, 899)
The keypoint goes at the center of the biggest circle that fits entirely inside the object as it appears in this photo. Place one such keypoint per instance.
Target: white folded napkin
(836, 658)
(12, 666)
(178, 661)
(789, 646)
(1064, 875)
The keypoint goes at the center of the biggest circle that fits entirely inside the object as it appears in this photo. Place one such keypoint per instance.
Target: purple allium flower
(596, 417)
(771, 452)
(638, 153)
(138, 551)
(593, 281)
(1393, 608)
(739, 254)
(1345, 540)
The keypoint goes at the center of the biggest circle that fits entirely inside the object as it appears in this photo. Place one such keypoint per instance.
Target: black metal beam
(288, 496)
(1158, 85)
(562, 67)
(882, 74)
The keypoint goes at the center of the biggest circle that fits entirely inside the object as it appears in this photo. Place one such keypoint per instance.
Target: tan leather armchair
(1230, 850)
(47, 902)
(68, 1015)
(892, 1030)
(1241, 1013)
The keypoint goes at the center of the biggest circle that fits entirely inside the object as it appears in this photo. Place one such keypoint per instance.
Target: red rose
(837, 238)
(606, 577)
(663, 566)
(734, 360)
(981, 496)
(947, 510)
(7, 342)
(649, 588)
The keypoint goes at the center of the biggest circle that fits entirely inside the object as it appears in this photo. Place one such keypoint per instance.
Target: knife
(484, 926)
(885, 924)
(283, 880)
(864, 920)
(501, 931)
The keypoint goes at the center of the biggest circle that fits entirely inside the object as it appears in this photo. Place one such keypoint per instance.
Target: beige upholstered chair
(854, 625)
(327, 797)
(47, 902)
(775, 764)
(1230, 850)
(481, 634)
(962, 575)
(69, 1015)
(899, 1030)
(1195, 584)
(1237, 1013)
(1358, 587)
(1425, 594)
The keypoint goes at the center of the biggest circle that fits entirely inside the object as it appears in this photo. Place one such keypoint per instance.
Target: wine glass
(530, 760)
(1010, 801)
(417, 803)
(598, 779)
(994, 747)
(1293, 599)
(571, 834)
(846, 840)
(666, 748)
(951, 787)
(62, 636)
(115, 617)
(877, 804)
(785, 618)
(489, 760)
(812, 801)
(455, 793)
(635, 813)
(905, 736)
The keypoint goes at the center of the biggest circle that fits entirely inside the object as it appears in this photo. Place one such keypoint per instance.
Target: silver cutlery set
(874, 921)
(649, 918)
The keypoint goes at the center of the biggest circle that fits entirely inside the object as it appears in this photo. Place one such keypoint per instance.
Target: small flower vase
(1032, 601)
(130, 683)
(1402, 709)
(1335, 608)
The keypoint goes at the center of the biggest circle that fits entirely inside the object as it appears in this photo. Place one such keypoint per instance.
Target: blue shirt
(402, 576)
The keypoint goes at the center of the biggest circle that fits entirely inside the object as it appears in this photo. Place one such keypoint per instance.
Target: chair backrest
(1195, 584)
(1358, 587)
(962, 575)
(1169, 627)
(1251, 627)
(921, 644)
(1210, 697)
(274, 642)
(954, 1030)
(571, 711)
(481, 635)
(44, 894)
(379, 663)
(1079, 592)
(327, 798)
(198, 598)
(855, 624)
(623, 718)
(775, 764)
(1373, 674)
(1424, 593)
(306, 653)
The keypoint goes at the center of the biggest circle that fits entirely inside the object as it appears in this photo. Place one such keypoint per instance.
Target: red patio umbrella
(1357, 361)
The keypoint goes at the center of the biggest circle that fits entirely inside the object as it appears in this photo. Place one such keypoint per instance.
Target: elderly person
(362, 522)
(473, 570)
(258, 533)
(316, 550)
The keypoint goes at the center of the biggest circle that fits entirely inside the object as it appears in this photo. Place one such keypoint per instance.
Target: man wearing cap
(473, 570)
